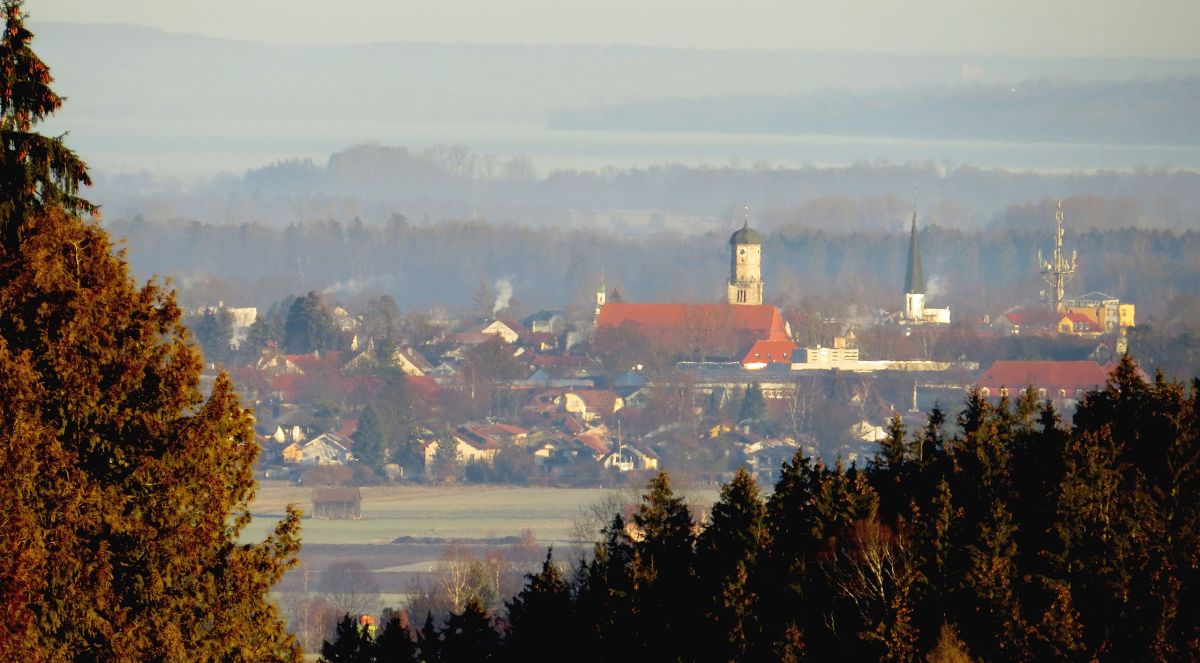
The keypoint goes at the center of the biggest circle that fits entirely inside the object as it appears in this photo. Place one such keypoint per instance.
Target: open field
(447, 512)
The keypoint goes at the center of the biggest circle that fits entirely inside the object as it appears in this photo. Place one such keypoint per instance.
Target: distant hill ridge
(1143, 111)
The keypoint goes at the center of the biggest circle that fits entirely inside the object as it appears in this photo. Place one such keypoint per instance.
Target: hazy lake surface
(197, 149)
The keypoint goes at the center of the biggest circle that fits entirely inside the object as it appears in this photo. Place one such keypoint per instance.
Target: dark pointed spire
(914, 278)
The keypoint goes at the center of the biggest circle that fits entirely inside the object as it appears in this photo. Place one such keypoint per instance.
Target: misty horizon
(187, 106)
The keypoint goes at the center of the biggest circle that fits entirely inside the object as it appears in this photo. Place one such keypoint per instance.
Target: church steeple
(914, 278)
(745, 269)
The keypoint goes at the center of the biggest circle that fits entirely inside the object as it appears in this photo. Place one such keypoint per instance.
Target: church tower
(914, 278)
(601, 297)
(745, 272)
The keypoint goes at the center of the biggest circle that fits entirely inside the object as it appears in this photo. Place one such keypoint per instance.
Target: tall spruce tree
(540, 615)
(125, 490)
(470, 636)
(662, 573)
(395, 643)
(351, 644)
(36, 172)
(429, 641)
(753, 407)
(727, 559)
(368, 439)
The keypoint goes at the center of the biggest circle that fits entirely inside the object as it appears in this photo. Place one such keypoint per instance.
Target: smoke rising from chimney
(504, 293)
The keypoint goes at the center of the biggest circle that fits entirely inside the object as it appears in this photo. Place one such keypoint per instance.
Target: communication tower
(1057, 271)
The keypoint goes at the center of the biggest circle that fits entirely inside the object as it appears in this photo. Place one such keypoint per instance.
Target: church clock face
(741, 252)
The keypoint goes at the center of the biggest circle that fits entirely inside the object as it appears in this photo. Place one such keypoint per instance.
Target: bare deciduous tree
(350, 587)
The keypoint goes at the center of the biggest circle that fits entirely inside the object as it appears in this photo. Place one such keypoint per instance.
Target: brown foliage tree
(126, 489)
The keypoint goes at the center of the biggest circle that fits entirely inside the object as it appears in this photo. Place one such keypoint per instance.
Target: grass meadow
(446, 512)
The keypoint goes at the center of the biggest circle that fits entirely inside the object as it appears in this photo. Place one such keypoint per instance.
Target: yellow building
(1125, 316)
(1105, 312)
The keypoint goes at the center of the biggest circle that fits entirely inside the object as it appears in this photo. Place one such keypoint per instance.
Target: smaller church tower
(601, 298)
(745, 272)
(914, 278)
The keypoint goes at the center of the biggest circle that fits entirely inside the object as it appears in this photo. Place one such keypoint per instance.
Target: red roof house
(1052, 379)
(770, 351)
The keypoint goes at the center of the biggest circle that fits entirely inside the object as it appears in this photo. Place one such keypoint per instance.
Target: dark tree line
(1005, 536)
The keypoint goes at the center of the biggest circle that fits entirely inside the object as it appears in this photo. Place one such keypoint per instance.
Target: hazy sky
(1052, 28)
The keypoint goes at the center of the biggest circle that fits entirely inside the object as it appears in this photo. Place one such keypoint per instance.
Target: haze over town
(866, 280)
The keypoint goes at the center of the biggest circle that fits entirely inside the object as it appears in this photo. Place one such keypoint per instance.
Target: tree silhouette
(728, 552)
(540, 614)
(37, 172)
(469, 635)
(368, 439)
(309, 326)
(351, 644)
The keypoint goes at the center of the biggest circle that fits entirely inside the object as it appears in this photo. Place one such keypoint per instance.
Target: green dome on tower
(745, 235)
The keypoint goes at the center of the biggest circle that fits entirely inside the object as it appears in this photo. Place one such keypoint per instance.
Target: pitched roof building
(699, 329)
(771, 351)
(1052, 379)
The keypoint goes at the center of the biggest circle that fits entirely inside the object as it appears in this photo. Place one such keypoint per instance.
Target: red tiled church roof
(764, 320)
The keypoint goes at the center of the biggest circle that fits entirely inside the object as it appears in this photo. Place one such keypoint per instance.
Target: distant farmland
(454, 512)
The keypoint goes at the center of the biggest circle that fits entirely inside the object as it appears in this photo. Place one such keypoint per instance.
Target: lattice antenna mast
(1058, 271)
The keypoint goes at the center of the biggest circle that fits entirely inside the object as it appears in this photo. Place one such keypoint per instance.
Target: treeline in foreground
(1016, 538)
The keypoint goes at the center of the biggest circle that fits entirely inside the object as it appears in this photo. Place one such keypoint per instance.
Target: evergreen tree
(728, 552)
(889, 471)
(368, 440)
(540, 615)
(213, 329)
(1128, 517)
(37, 173)
(931, 450)
(753, 407)
(446, 464)
(309, 327)
(811, 505)
(662, 572)
(429, 642)
(394, 407)
(267, 330)
(395, 643)
(470, 636)
(605, 605)
(138, 490)
(351, 644)
(125, 491)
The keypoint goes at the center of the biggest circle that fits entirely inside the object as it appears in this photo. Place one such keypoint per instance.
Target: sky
(1029, 28)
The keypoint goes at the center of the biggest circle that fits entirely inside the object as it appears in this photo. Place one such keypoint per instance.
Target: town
(585, 405)
(609, 395)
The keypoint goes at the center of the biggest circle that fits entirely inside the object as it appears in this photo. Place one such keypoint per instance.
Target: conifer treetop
(36, 171)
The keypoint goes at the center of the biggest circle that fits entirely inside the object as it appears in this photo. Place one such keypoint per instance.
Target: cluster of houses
(568, 409)
(566, 416)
